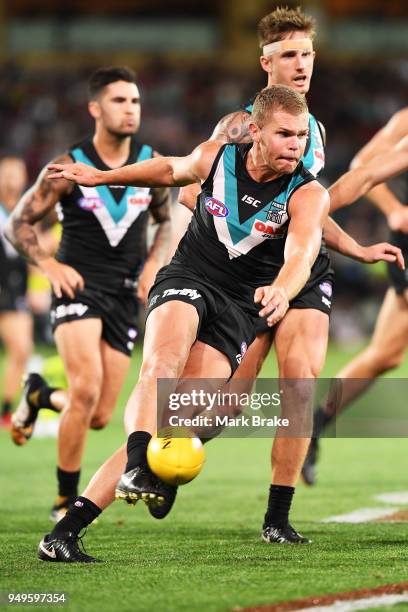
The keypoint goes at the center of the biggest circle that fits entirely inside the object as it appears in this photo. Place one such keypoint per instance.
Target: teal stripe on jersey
(145, 152)
(308, 159)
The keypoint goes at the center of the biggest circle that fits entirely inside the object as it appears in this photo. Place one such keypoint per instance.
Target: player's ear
(265, 61)
(254, 131)
(94, 109)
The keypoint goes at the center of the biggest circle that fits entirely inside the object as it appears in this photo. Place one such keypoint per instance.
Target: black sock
(136, 449)
(321, 420)
(5, 408)
(67, 483)
(80, 514)
(44, 398)
(279, 502)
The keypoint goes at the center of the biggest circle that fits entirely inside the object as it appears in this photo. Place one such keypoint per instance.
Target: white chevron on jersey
(116, 231)
(220, 223)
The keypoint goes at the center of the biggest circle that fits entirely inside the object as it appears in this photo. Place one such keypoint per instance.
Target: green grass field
(207, 555)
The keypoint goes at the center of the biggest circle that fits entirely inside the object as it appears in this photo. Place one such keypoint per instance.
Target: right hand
(398, 220)
(79, 173)
(63, 278)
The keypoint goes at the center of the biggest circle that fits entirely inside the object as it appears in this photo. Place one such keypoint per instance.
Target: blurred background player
(101, 264)
(390, 338)
(16, 326)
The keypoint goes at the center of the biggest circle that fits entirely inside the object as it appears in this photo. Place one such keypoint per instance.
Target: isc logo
(216, 208)
(250, 200)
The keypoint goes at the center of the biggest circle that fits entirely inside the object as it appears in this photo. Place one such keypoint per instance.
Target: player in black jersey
(15, 318)
(100, 266)
(201, 309)
(386, 154)
(286, 39)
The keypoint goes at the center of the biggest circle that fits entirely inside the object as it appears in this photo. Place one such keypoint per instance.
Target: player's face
(293, 68)
(282, 140)
(117, 108)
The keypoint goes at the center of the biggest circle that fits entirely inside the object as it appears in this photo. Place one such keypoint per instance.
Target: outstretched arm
(308, 209)
(358, 181)
(155, 172)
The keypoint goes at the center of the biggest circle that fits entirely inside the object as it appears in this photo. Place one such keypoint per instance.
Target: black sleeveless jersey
(104, 227)
(237, 235)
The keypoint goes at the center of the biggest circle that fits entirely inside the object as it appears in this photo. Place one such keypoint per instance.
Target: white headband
(288, 44)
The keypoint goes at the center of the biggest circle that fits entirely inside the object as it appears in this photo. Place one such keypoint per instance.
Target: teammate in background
(286, 39)
(203, 306)
(100, 265)
(16, 326)
(384, 156)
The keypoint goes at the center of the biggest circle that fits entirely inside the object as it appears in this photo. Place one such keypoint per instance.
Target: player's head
(286, 41)
(114, 100)
(279, 127)
(13, 178)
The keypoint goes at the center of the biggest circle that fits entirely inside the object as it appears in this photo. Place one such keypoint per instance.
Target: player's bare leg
(16, 330)
(301, 343)
(385, 352)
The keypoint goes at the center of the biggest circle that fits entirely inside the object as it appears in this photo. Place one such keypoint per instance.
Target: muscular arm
(358, 181)
(34, 205)
(155, 172)
(308, 209)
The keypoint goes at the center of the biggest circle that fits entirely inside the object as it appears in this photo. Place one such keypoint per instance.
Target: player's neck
(257, 168)
(113, 151)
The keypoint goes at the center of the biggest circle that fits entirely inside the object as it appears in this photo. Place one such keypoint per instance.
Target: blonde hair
(277, 97)
(283, 20)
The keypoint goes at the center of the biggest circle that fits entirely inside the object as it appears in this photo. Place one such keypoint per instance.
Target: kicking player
(200, 327)
(101, 263)
(386, 154)
(16, 327)
(286, 39)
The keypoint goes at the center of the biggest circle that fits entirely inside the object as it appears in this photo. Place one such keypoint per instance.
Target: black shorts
(222, 323)
(317, 295)
(399, 278)
(118, 314)
(13, 290)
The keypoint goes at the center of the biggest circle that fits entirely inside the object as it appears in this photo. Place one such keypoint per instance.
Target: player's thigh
(16, 331)
(301, 343)
(79, 345)
(391, 329)
(115, 365)
(170, 332)
(205, 361)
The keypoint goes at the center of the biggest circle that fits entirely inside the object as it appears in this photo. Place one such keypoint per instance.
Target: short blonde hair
(277, 97)
(283, 20)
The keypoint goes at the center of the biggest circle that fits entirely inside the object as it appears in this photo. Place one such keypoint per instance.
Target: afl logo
(216, 208)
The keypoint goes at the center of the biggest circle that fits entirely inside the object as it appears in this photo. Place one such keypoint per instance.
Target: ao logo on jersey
(216, 208)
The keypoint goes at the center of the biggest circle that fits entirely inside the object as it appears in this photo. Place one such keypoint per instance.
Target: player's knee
(296, 369)
(99, 421)
(84, 394)
(21, 352)
(383, 361)
(169, 365)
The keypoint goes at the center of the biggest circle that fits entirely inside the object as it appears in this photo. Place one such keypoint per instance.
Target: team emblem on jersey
(91, 203)
(139, 199)
(268, 231)
(216, 207)
(326, 288)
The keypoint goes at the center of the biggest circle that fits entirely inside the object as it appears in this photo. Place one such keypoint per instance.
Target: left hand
(275, 302)
(382, 252)
(146, 279)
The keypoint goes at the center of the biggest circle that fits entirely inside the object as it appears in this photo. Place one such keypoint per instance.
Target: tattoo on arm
(233, 128)
(33, 206)
(160, 211)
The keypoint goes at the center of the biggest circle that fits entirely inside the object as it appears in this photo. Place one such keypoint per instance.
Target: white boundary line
(361, 516)
(360, 604)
